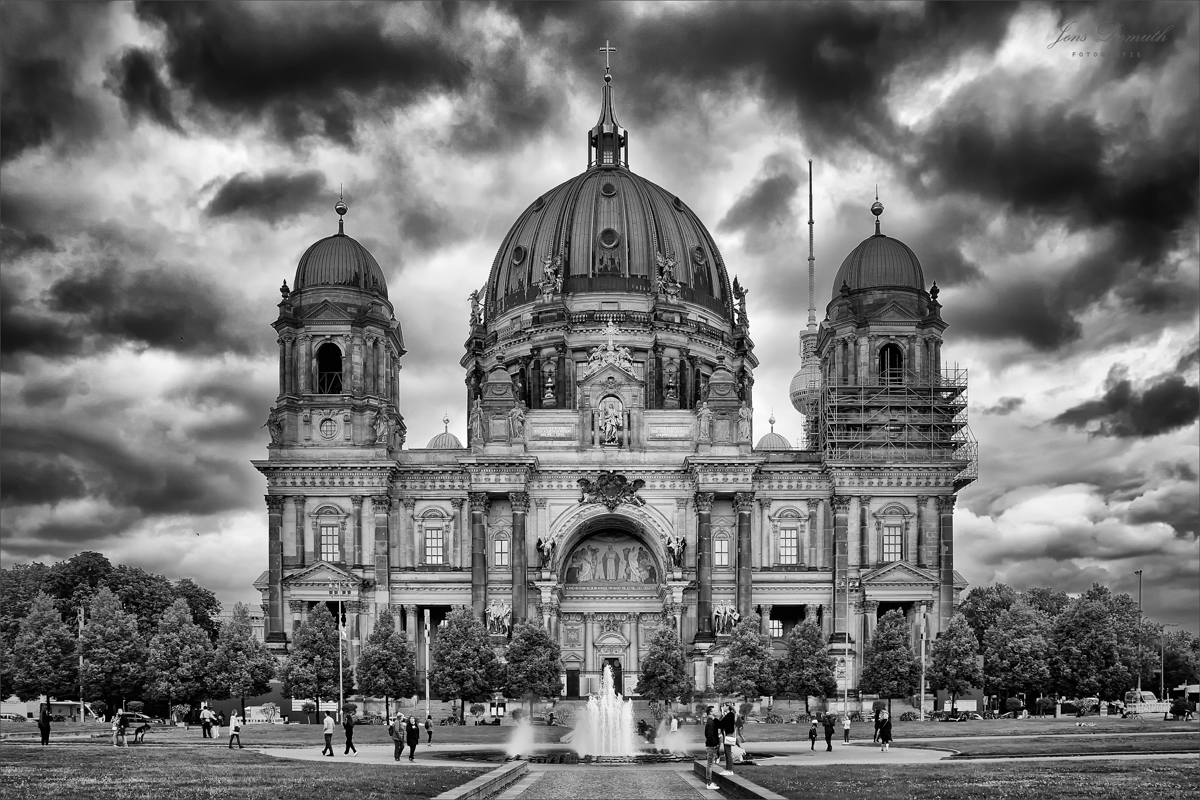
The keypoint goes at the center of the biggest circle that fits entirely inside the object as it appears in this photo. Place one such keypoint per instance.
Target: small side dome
(806, 385)
(773, 440)
(339, 260)
(880, 261)
(444, 440)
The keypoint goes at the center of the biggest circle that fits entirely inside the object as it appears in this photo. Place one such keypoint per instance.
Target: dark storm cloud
(33, 480)
(16, 243)
(1021, 311)
(765, 205)
(1006, 406)
(271, 197)
(307, 69)
(233, 407)
(134, 78)
(511, 111)
(428, 228)
(160, 480)
(1167, 404)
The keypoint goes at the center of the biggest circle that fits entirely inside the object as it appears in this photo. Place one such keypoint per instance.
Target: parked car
(136, 718)
(12, 718)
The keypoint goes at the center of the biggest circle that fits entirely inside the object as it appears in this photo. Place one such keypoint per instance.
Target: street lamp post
(1139, 634)
(1162, 660)
(82, 713)
(921, 702)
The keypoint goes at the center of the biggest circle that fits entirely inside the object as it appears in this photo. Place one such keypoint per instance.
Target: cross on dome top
(606, 50)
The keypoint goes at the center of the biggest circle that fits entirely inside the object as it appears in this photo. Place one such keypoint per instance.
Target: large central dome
(610, 227)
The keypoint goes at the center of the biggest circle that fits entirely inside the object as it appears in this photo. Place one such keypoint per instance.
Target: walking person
(348, 726)
(206, 721)
(327, 724)
(846, 728)
(878, 722)
(429, 727)
(235, 730)
(218, 723)
(396, 731)
(885, 731)
(712, 744)
(812, 736)
(412, 735)
(829, 733)
(44, 724)
(729, 732)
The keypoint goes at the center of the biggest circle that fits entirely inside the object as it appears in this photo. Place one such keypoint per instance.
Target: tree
(1015, 652)
(6, 669)
(113, 654)
(203, 604)
(889, 668)
(532, 664)
(143, 594)
(180, 658)
(465, 666)
(44, 658)
(749, 668)
(386, 666)
(953, 664)
(18, 586)
(806, 668)
(242, 665)
(74, 582)
(983, 605)
(311, 669)
(1181, 658)
(1095, 645)
(665, 674)
(1049, 602)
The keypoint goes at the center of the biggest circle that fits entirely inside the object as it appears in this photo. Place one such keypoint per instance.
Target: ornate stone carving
(608, 353)
(274, 503)
(516, 421)
(611, 489)
(410, 504)
(704, 422)
(743, 502)
(357, 501)
(814, 505)
(946, 503)
(703, 501)
(841, 504)
(499, 617)
(456, 503)
(519, 500)
(675, 547)
(666, 285)
(479, 501)
(725, 617)
(274, 425)
(297, 606)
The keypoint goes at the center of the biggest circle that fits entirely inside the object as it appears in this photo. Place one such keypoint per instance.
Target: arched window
(891, 364)
(329, 524)
(329, 369)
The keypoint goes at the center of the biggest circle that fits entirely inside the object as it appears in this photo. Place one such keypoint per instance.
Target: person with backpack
(396, 731)
(885, 731)
(44, 724)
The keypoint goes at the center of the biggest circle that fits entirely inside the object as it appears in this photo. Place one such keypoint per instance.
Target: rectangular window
(721, 553)
(433, 546)
(892, 549)
(330, 547)
(776, 628)
(501, 549)
(789, 546)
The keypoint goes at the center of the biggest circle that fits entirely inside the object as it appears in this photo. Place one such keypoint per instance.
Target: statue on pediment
(611, 489)
(704, 420)
(476, 422)
(274, 425)
(675, 546)
(516, 421)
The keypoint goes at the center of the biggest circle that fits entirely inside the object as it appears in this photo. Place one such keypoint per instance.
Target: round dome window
(678, 204)
(609, 238)
(608, 190)
(518, 254)
(328, 428)
(537, 204)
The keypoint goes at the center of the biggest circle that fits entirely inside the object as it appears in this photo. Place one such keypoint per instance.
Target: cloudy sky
(164, 166)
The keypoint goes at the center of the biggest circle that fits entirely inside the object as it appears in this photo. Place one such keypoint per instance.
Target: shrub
(879, 705)
(350, 708)
(1045, 705)
(908, 716)
(179, 711)
(1181, 707)
(1013, 704)
(477, 710)
(136, 706)
(744, 709)
(564, 715)
(773, 719)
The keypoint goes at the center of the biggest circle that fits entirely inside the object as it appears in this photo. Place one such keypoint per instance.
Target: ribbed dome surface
(773, 441)
(339, 260)
(609, 224)
(806, 383)
(444, 441)
(880, 261)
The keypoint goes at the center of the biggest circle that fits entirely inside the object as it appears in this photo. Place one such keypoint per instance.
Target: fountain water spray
(607, 726)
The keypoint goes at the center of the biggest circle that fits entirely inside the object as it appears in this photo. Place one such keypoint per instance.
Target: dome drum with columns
(609, 482)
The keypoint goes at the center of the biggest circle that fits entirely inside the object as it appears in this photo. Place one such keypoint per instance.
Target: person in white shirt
(846, 728)
(328, 723)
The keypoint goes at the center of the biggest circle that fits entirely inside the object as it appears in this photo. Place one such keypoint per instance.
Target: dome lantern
(608, 142)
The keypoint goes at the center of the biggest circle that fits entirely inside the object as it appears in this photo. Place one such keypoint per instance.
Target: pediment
(617, 373)
(899, 572)
(893, 311)
(326, 310)
(320, 573)
(611, 638)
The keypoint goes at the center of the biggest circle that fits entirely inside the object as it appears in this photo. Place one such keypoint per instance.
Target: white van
(1140, 697)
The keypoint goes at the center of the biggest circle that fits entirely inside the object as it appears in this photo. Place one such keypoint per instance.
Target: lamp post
(1162, 661)
(82, 713)
(340, 590)
(1139, 634)
(427, 663)
(921, 702)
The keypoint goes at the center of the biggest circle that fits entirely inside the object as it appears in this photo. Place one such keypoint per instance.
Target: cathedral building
(610, 481)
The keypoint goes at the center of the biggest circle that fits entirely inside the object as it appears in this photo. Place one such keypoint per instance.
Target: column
(542, 524)
(765, 611)
(945, 504)
(356, 364)
(870, 546)
(589, 657)
(918, 552)
(304, 363)
(304, 535)
(681, 526)
(911, 548)
(290, 532)
(410, 533)
(704, 628)
(767, 559)
(283, 378)
(743, 502)
(379, 508)
(479, 507)
(916, 350)
(410, 623)
(456, 548)
(519, 556)
(356, 552)
(635, 653)
(853, 537)
(395, 532)
(871, 614)
(814, 536)
(289, 344)
(929, 534)
(274, 620)
(841, 561)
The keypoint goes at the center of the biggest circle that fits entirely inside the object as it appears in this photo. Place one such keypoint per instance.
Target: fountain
(521, 743)
(607, 727)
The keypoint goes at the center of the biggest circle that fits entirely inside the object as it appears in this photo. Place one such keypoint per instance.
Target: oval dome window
(537, 204)
(678, 204)
(608, 190)
(609, 238)
(518, 254)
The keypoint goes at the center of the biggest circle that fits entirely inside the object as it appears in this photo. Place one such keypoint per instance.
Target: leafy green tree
(890, 669)
(1095, 645)
(665, 674)
(1015, 651)
(953, 660)
(74, 582)
(242, 665)
(18, 586)
(203, 604)
(806, 668)
(180, 658)
(386, 665)
(983, 605)
(532, 664)
(44, 658)
(113, 653)
(143, 594)
(311, 669)
(6, 669)
(749, 668)
(1181, 658)
(1050, 602)
(464, 664)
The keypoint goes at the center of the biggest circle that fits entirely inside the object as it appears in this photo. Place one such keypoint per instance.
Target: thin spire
(877, 209)
(812, 269)
(608, 142)
(341, 208)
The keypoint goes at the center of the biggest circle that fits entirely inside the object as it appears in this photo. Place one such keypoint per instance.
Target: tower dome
(340, 260)
(444, 440)
(773, 440)
(880, 262)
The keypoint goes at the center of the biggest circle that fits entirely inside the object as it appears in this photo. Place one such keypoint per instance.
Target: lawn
(989, 727)
(1060, 780)
(86, 770)
(1183, 742)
